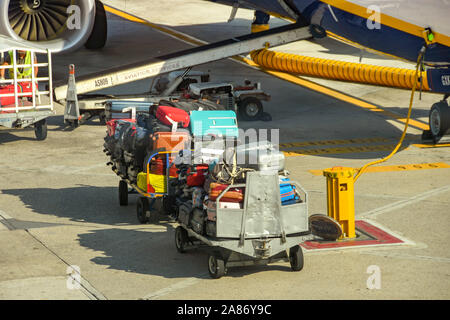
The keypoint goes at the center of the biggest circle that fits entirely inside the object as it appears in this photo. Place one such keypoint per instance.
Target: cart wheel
(40, 130)
(123, 193)
(216, 266)
(250, 108)
(181, 239)
(142, 208)
(102, 118)
(296, 258)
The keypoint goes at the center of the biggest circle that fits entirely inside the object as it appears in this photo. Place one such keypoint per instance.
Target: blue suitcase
(287, 192)
(220, 123)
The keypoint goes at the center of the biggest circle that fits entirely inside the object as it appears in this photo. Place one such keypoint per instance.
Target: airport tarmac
(59, 204)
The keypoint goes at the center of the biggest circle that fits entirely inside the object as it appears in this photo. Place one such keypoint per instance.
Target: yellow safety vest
(26, 72)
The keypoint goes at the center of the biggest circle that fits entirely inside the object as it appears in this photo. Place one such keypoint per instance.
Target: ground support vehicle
(263, 231)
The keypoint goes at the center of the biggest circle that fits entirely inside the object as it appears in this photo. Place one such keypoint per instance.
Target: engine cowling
(59, 25)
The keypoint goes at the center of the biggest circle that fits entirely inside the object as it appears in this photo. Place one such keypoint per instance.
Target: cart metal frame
(144, 205)
(251, 237)
(22, 116)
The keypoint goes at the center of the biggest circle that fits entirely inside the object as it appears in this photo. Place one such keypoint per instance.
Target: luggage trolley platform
(21, 105)
(264, 231)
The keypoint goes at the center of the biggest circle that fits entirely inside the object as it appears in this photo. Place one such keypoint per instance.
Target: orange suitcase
(232, 195)
(171, 141)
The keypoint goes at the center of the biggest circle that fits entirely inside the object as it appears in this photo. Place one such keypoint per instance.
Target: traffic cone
(72, 111)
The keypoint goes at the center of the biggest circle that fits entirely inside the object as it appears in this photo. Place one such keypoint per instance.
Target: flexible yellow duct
(338, 70)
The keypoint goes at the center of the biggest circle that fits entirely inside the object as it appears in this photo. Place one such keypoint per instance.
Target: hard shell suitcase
(232, 195)
(219, 123)
(158, 166)
(170, 115)
(192, 105)
(171, 141)
(9, 89)
(262, 155)
(114, 108)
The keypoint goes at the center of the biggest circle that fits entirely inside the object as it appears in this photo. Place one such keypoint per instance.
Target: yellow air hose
(416, 77)
(337, 70)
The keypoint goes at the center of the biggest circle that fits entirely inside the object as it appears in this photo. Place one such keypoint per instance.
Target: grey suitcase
(260, 156)
(114, 108)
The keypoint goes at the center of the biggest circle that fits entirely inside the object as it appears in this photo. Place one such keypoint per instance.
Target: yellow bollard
(340, 199)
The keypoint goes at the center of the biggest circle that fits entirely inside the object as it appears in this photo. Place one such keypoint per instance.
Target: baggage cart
(262, 232)
(27, 101)
(148, 192)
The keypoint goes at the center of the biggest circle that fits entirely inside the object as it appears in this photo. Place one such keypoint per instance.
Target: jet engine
(59, 25)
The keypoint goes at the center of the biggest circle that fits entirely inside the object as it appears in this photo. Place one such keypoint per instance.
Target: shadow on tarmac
(154, 253)
(80, 204)
(144, 251)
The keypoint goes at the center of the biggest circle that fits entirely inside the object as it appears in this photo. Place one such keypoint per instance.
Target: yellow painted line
(173, 33)
(421, 145)
(285, 76)
(406, 167)
(283, 146)
(340, 150)
(386, 20)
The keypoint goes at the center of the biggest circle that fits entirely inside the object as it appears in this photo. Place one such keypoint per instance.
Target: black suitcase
(198, 220)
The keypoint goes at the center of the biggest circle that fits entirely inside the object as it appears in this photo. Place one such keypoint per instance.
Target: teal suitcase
(220, 123)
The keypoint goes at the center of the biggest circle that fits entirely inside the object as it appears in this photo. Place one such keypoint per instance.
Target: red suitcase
(158, 166)
(9, 89)
(198, 178)
(167, 115)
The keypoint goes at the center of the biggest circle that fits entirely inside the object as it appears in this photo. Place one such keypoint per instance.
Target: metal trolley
(262, 232)
(28, 108)
(147, 199)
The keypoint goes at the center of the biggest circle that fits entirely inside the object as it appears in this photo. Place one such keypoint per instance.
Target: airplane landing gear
(439, 121)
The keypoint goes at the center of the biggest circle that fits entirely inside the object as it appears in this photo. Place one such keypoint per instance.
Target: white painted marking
(4, 224)
(408, 256)
(174, 287)
(403, 203)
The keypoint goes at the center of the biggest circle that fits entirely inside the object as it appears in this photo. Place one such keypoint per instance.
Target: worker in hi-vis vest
(22, 57)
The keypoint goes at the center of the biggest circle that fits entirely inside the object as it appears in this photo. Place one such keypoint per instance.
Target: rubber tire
(317, 31)
(216, 263)
(102, 118)
(243, 105)
(40, 130)
(142, 208)
(443, 112)
(296, 258)
(99, 34)
(181, 239)
(123, 193)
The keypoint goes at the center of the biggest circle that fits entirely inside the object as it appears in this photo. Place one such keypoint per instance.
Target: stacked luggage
(136, 129)
(147, 147)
